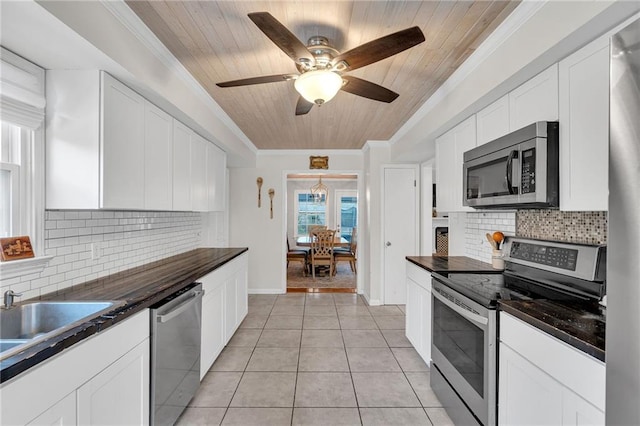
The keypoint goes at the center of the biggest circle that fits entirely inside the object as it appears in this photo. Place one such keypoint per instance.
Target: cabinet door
(584, 128)
(119, 394)
(61, 414)
(445, 170)
(216, 177)
(425, 321)
(242, 297)
(578, 412)
(212, 326)
(231, 308)
(158, 151)
(526, 394)
(465, 134)
(122, 146)
(199, 191)
(535, 100)
(493, 121)
(413, 324)
(181, 166)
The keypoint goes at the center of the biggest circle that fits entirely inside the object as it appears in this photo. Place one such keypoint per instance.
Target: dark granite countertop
(139, 287)
(452, 264)
(580, 325)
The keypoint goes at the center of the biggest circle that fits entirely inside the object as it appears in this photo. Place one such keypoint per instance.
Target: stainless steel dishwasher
(175, 353)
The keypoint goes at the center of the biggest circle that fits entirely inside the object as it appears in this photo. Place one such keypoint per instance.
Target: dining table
(305, 241)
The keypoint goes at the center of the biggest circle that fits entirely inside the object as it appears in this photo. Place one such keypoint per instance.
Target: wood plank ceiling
(216, 41)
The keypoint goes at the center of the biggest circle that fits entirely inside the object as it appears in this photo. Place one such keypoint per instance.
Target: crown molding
(517, 18)
(302, 152)
(134, 24)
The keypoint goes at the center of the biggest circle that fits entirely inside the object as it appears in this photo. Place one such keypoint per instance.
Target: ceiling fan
(321, 66)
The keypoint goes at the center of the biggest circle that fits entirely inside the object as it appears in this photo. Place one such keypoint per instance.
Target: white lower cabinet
(224, 306)
(418, 310)
(102, 380)
(119, 394)
(544, 381)
(63, 413)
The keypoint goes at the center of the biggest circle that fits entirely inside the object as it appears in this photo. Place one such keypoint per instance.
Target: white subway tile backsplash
(477, 226)
(123, 240)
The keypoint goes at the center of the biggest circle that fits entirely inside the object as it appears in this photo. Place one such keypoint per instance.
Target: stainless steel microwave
(518, 170)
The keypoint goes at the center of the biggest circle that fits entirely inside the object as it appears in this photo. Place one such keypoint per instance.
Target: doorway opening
(328, 200)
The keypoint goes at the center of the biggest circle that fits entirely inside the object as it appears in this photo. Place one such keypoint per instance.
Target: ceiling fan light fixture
(318, 86)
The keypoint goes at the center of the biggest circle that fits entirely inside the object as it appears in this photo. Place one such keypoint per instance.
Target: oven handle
(513, 154)
(469, 315)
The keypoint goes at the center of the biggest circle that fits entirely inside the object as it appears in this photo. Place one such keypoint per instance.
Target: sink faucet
(8, 298)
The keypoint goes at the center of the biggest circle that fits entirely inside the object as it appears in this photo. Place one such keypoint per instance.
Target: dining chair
(301, 256)
(322, 251)
(347, 254)
(314, 228)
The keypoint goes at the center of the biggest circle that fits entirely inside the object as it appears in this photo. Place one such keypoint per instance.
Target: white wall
(250, 226)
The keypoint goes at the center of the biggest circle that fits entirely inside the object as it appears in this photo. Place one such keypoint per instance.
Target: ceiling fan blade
(378, 49)
(282, 37)
(258, 80)
(367, 89)
(303, 106)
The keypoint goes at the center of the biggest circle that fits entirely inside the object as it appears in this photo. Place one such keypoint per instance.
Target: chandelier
(318, 190)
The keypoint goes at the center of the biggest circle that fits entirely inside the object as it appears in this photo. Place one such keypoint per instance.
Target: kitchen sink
(25, 325)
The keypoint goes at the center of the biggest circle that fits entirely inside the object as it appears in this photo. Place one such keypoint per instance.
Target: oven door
(464, 349)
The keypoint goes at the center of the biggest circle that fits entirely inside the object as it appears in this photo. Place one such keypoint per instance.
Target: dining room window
(309, 210)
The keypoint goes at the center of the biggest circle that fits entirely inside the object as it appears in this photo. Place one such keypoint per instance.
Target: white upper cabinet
(584, 128)
(109, 148)
(122, 146)
(493, 121)
(158, 152)
(535, 100)
(450, 149)
(199, 191)
(216, 177)
(95, 143)
(182, 136)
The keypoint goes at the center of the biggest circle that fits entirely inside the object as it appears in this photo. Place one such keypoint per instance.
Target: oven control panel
(557, 257)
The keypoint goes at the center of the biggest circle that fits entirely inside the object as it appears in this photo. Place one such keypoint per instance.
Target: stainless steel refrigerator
(623, 251)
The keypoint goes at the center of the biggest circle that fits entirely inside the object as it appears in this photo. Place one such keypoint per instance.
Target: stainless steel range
(465, 323)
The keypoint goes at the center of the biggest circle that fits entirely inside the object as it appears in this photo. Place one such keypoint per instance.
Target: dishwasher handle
(189, 299)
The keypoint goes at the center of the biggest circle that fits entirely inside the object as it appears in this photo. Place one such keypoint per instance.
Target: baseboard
(371, 302)
(265, 291)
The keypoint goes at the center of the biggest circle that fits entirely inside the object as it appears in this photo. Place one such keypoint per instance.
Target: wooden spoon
(272, 192)
(490, 239)
(259, 182)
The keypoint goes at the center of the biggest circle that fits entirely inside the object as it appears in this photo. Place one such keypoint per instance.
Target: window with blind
(22, 102)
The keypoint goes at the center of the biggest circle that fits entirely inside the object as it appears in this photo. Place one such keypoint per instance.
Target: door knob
(388, 244)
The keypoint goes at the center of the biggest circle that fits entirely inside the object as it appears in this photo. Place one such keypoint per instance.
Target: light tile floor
(317, 359)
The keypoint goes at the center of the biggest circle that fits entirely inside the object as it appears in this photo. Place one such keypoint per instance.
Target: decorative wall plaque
(14, 248)
(318, 162)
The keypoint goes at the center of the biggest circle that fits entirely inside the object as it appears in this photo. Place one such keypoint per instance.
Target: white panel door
(535, 100)
(400, 207)
(493, 121)
(181, 166)
(584, 128)
(216, 177)
(199, 190)
(61, 414)
(119, 394)
(527, 395)
(122, 146)
(212, 324)
(158, 151)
